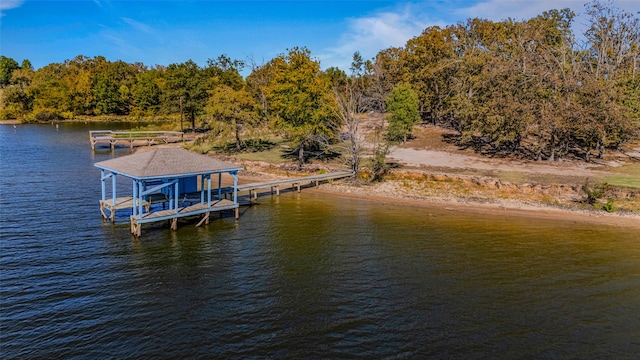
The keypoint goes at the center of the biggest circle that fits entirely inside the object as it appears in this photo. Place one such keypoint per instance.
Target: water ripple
(299, 276)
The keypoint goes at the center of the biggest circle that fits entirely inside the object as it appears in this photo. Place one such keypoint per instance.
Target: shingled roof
(159, 163)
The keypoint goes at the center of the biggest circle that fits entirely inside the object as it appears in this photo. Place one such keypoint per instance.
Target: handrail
(150, 136)
(135, 134)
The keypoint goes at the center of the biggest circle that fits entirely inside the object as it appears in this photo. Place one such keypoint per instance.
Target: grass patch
(627, 176)
(513, 176)
(273, 155)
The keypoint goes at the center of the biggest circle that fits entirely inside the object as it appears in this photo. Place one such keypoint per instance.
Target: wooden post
(237, 213)
(205, 219)
(104, 216)
(174, 224)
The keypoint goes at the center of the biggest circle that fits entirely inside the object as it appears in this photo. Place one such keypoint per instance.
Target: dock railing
(133, 137)
(294, 183)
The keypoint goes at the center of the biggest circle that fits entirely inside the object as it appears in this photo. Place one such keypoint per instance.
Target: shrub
(609, 206)
(594, 192)
(380, 166)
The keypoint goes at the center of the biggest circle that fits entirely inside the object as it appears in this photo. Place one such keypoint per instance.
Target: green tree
(257, 85)
(50, 93)
(429, 63)
(233, 107)
(16, 104)
(15, 99)
(402, 104)
(225, 71)
(147, 93)
(111, 87)
(186, 89)
(7, 66)
(79, 78)
(105, 91)
(301, 103)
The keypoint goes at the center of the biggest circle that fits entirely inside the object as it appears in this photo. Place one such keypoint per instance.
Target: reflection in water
(303, 275)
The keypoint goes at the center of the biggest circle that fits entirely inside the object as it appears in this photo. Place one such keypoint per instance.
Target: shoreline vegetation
(444, 188)
(444, 192)
(500, 114)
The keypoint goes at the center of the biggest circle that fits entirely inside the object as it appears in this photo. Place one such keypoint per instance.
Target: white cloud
(497, 10)
(392, 28)
(502, 9)
(9, 4)
(520, 9)
(368, 35)
(138, 26)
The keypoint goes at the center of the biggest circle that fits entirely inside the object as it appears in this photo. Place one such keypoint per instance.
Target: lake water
(303, 276)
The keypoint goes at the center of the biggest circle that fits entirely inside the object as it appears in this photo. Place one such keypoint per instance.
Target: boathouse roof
(165, 163)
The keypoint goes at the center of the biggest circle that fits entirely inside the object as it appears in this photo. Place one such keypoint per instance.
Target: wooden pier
(294, 183)
(183, 182)
(179, 179)
(133, 138)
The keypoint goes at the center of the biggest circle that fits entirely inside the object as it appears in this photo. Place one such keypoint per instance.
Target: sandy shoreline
(503, 208)
(384, 194)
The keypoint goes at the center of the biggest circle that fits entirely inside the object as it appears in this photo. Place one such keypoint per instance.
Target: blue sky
(165, 32)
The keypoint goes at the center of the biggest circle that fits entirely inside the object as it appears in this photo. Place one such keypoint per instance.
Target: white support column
(209, 191)
(104, 188)
(219, 186)
(170, 197)
(133, 196)
(140, 190)
(235, 186)
(202, 189)
(113, 190)
(176, 195)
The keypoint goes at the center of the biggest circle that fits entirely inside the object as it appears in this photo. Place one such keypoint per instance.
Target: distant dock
(133, 138)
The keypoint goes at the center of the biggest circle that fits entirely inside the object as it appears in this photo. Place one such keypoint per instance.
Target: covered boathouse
(179, 179)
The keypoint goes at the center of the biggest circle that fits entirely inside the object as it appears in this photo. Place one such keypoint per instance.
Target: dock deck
(174, 214)
(193, 204)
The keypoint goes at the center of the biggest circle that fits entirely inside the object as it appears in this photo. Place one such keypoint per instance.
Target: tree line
(529, 88)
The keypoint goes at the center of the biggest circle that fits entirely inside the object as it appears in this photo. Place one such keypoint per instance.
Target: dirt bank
(463, 194)
(428, 179)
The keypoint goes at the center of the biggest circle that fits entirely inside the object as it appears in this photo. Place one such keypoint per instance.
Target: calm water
(300, 276)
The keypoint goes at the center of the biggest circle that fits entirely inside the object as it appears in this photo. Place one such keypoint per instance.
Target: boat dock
(133, 138)
(184, 183)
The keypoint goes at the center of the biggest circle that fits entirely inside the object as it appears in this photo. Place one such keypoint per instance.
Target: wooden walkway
(133, 137)
(197, 207)
(293, 183)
